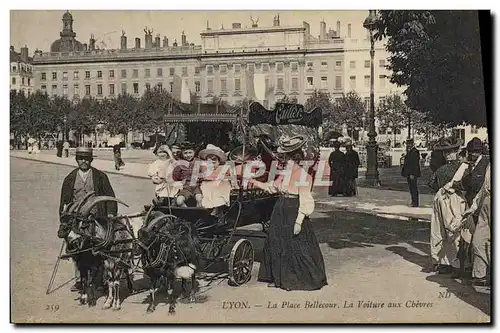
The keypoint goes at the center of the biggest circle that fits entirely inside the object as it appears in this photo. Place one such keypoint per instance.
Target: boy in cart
(188, 191)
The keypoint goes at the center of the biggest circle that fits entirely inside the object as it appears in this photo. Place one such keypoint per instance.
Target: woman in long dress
(292, 257)
(337, 163)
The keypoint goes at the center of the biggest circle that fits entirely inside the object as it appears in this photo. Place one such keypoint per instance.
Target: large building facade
(21, 71)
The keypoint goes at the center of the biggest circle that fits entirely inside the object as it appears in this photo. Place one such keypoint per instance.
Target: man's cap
(84, 152)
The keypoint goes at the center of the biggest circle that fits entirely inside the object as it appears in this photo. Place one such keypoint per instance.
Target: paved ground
(370, 200)
(368, 259)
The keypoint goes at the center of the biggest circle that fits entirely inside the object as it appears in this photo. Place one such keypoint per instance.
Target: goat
(169, 258)
(117, 246)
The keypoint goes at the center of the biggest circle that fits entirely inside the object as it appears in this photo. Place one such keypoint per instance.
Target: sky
(39, 28)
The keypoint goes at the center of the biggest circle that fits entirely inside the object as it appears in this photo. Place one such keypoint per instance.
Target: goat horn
(154, 222)
(78, 205)
(85, 210)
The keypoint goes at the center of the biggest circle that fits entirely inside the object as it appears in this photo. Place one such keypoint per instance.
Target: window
(310, 82)
(135, 73)
(197, 70)
(324, 82)
(310, 66)
(172, 71)
(136, 88)
(99, 89)
(223, 84)
(237, 68)
(210, 69)
(381, 79)
(338, 82)
(279, 67)
(210, 85)
(99, 74)
(352, 82)
(111, 73)
(324, 65)
(54, 75)
(14, 68)
(223, 69)
(124, 88)
(13, 80)
(159, 72)
(367, 63)
(295, 83)
(381, 63)
(148, 86)
(266, 84)
(279, 84)
(76, 75)
(87, 89)
(197, 86)
(29, 82)
(367, 103)
(44, 76)
(160, 86)
(54, 89)
(65, 76)
(124, 73)
(237, 84)
(44, 87)
(22, 81)
(251, 68)
(367, 80)
(87, 75)
(76, 90)
(265, 67)
(147, 72)
(111, 89)
(338, 64)
(184, 71)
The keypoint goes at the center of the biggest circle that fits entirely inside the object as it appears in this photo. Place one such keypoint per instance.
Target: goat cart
(221, 250)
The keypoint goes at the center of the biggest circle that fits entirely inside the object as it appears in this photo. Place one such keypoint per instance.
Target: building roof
(57, 46)
(16, 57)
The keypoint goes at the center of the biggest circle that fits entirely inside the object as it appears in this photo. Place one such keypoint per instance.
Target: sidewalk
(381, 202)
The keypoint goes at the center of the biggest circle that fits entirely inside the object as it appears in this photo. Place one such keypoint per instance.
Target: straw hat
(290, 144)
(84, 152)
(213, 150)
(447, 144)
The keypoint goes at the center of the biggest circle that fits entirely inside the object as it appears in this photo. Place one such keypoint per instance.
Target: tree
(85, 116)
(60, 108)
(393, 113)
(153, 106)
(288, 99)
(349, 111)
(37, 117)
(437, 55)
(18, 115)
(323, 100)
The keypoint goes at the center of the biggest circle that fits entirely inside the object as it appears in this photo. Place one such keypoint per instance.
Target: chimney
(349, 30)
(157, 41)
(24, 53)
(92, 43)
(85, 46)
(338, 28)
(123, 41)
(236, 25)
(165, 42)
(137, 43)
(148, 42)
(322, 30)
(183, 39)
(175, 43)
(38, 53)
(308, 30)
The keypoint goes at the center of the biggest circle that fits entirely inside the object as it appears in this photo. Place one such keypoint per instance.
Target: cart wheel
(241, 262)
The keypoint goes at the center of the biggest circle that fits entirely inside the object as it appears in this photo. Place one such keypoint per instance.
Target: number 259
(52, 307)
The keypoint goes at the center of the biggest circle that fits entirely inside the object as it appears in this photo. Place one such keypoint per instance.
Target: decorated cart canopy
(286, 119)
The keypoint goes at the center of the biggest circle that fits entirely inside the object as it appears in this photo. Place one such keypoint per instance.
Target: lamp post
(371, 175)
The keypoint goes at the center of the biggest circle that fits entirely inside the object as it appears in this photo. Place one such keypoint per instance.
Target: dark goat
(169, 257)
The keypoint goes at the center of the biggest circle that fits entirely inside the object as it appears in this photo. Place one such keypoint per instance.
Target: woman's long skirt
(291, 262)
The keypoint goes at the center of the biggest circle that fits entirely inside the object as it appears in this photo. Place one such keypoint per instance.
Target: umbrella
(114, 141)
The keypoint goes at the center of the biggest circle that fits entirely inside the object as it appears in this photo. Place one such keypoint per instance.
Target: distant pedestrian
(411, 170)
(351, 169)
(336, 162)
(59, 146)
(117, 155)
(66, 149)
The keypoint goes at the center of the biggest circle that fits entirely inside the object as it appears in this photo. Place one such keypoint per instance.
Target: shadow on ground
(391, 179)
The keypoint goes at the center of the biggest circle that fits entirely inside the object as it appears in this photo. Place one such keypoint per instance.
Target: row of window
(23, 80)
(111, 88)
(352, 81)
(22, 68)
(381, 64)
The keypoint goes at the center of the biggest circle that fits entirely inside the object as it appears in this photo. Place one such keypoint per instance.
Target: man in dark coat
(81, 181)
(351, 169)
(336, 162)
(411, 170)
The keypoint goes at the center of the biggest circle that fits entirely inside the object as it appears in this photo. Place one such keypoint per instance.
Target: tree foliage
(349, 110)
(437, 55)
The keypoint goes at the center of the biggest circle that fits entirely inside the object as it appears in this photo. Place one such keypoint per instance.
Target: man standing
(66, 148)
(411, 170)
(351, 170)
(83, 180)
(336, 161)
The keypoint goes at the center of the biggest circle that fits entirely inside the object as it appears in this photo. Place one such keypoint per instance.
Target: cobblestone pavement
(368, 259)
